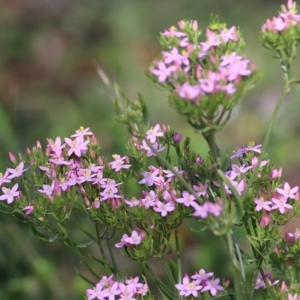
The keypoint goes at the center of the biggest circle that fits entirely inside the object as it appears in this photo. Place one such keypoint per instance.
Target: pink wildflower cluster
(134, 239)
(109, 289)
(291, 292)
(11, 192)
(164, 197)
(200, 282)
(288, 18)
(66, 167)
(77, 171)
(281, 197)
(161, 192)
(196, 69)
(260, 283)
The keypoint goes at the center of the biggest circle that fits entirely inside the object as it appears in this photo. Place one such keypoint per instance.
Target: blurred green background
(49, 87)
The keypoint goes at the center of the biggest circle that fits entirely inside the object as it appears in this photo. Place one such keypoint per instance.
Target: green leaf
(240, 287)
(84, 245)
(144, 111)
(84, 278)
(226, 297)
(174, 269)
(165, 293)
(44, 237)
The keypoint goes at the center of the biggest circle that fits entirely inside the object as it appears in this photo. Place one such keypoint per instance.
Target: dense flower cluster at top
(282, 34)
(181, 64)
(287, 19)
(205, 78)
(110, 289)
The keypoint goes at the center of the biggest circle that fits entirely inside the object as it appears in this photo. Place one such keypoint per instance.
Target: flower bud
(12, 158)
(181, 24)
(38, 145)
(177, 137)
(195, 25)
(275, 173)
(265, 220)
(290, 237)
(254, 161)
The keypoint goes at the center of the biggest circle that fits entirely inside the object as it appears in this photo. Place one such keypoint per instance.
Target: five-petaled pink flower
(77, 146)
(10, 194)
(287, 192)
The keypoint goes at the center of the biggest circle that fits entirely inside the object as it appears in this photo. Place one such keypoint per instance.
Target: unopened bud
(12, 158)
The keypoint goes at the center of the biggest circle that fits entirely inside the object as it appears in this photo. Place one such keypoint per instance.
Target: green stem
(178, 255)
(158, 281)
(268, 134)
(211, 141)
(99, 240)
(82, 258)
(116, 270)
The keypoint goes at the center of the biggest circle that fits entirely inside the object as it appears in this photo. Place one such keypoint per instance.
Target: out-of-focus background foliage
(49, 87)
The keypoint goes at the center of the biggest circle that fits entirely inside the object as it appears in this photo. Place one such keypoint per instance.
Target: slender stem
(157, 280)
(99, 240)
(178, 255)
(112, 256)
(268, 134)
(211, 141)
(82, 258)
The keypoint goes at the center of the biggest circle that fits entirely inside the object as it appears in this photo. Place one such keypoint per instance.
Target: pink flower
(187, 199)
(96, 292)
(163, 208)
(188, 91)
(134, 239)
(28, 210)
(111, 291)
(202, 276)
(213, 286)
(10, 194)
(109, 193)
(118, 164)
(77, 146)
(153, 133)
(201, 189)
(162, 71)
(134, 283)
(174, 56)
(188, 287)
(82, 132)
(17, 172)
(149, 177)
(149, 151)
(47, 189)
(287, 192)
(200, 211)
(56, 146)
(280, 204)
(262, 204)
(4, 178)
(172, 32)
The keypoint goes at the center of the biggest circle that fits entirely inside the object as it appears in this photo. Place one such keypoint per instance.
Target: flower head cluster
(109, 289)
(287, 19)
(200, 282)
(203, 75)
(280, 199)
(10, 190)
(282, 34)
(260, 283)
